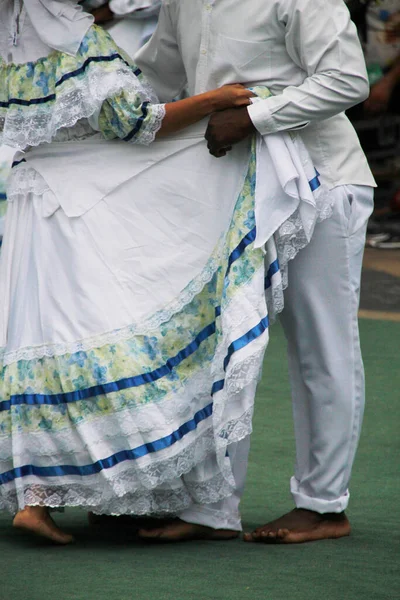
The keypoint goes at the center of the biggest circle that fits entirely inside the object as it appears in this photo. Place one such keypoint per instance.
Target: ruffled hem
(126, 482)
(38, 99)
(160, 502)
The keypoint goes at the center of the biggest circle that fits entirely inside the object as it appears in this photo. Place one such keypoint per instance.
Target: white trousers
(325, 365)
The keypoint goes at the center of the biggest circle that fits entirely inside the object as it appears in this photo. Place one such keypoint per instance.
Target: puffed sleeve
(128, 117)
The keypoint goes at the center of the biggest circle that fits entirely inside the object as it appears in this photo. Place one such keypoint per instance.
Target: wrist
(211, 100)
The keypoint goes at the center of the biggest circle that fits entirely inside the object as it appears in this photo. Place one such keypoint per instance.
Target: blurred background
(377, 122)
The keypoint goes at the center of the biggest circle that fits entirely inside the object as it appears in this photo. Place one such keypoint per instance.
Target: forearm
(128, 117)
(183, 113)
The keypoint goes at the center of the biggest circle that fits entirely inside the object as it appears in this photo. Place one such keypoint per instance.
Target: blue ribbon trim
(115, 386)
(111, 461)
(246, 339)
(139, 123)
(273, 269)
(18, 162)
(3, 196)
(315, 182)
(238, 251)
(64, 78)
(88, 61)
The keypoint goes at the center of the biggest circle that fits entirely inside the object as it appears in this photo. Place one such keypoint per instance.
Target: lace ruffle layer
(288, 241)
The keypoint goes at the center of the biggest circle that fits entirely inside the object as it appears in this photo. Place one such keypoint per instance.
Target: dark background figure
(377, 120)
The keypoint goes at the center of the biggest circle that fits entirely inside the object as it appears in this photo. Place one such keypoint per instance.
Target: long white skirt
(132, 334)
(133, 321)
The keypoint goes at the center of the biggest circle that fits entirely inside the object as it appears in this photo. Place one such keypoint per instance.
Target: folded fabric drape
(61, 24)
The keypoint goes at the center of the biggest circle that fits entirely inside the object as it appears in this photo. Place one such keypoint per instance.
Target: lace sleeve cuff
(125, 116)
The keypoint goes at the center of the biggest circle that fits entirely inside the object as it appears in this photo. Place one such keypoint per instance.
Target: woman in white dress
(133, 312)
(94, 411)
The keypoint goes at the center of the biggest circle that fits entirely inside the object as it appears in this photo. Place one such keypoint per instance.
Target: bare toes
(257, 534)
(282, 534)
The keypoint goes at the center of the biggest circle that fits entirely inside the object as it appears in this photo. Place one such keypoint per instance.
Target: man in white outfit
(307, 52)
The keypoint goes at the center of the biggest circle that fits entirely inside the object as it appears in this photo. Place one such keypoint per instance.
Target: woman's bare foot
(181, 531)
(37, 520)
(301, 525)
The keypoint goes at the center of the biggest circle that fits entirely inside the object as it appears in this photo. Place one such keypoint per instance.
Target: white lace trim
(24, 180)
(80, 99)
(162, 487)
(290, 239)
(147, 135)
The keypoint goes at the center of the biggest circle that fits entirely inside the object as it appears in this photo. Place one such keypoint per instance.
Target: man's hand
(226, 128)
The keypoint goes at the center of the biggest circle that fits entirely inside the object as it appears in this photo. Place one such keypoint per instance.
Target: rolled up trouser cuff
(318, 505)
(209, 517)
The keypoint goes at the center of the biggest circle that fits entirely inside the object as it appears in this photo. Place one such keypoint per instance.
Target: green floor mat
(366, 566)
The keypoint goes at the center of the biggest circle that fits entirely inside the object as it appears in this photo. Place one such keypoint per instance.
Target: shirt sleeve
(161, 61)
(322, 40)
(127, 117)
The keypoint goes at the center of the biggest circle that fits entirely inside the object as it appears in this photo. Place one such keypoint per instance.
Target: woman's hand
(231, 96)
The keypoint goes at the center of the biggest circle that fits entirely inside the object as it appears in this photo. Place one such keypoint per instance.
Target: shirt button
(204, 51)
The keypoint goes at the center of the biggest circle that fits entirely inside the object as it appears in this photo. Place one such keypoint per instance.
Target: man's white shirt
(306, 51)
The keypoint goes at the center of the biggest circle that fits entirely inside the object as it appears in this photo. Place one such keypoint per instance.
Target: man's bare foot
(181, 531)
(301, 525)
(37, 520)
